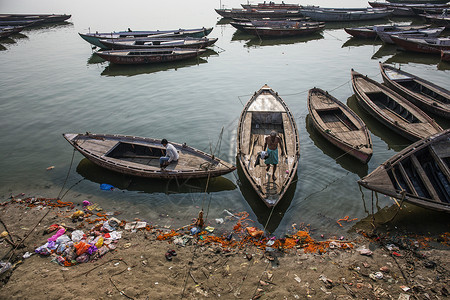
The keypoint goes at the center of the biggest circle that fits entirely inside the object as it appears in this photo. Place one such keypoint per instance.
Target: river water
(52, 83)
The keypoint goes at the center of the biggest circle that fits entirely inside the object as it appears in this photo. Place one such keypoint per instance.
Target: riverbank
(241, 263)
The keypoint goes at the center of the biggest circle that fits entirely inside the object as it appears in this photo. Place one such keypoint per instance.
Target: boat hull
(148, 57)
(338, 124)
(392, 110)
(418, 174)
(422, 93)
(192, 163)
(264, 112)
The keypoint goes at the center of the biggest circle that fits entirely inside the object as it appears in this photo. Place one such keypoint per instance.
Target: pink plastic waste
(59, 233)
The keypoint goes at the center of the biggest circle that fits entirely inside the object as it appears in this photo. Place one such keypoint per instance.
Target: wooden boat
(445, 55)
(264, 112)
(419, 174)
(149, 42)
(284, 31)
(437, 19)
(422, 93)
(45, 18)
(258, 13)
(373, 31)
(322, 14)
(271, 5)
(391, 109)
(7, 31)
(240, 25)
(148, 56)
(94, 38)
(419, 1)
(139, 156)
(337, 123)
(407, 9)
(422, 45)
(385, 36)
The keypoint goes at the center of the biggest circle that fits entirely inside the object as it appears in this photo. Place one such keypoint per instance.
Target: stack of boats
(281, 20)
(144, 47)
(31, 19)
(420, 173)
(11, 24)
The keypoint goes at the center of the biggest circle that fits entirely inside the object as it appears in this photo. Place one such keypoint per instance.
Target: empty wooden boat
(285, 31)
(422, 45)
(324, 14)
(379, 30)
(337, 123)
(94, 38)
(148, 56)
(263, 113)
(424, 94)
(392, 110)
(258, 13)
(442, 19)
(272, 5)
(149, 42)
(418, 174)
(139, 156)
(385, 36)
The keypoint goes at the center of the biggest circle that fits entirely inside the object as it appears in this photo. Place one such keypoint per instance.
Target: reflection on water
(2, 48)
(407, 57)
(266, 217)
(355, 42)
(391, 219)
(97, 174)
(385, 50)
(348, 162)
(254, 41)
(392, 139)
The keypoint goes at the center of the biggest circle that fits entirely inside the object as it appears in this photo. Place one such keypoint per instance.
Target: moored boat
(391, 109)
(419, 174)
(422, 45)
(263, 113)
(94, 38)
(139, 156)
(284, 31)
(437, 19)
(258, 13)
(379, 30)
(148, 56)
(408, 9)
(413, 31)
(323, 14)
(423, 93)
(339, 124)
(149, 42)
(272, 5)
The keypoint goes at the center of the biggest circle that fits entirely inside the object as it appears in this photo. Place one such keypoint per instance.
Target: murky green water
(52, 83)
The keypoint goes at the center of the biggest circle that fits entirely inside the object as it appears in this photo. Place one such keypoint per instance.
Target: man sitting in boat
(171, 154)
(272, 141)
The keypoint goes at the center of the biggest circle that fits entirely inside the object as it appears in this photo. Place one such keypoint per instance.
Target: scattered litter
(404, 297)
(254, 232)
(405, 288)
(135, 225)
(392, 247)
(50, 168)
(106, 187)
(219, 220)
(365, 251)
(27, 255)
(298, 279)
(375, 276)
(209, 229)
(4, 266)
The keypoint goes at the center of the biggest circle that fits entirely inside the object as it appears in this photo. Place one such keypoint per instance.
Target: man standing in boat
(171, 154)
(272, 141)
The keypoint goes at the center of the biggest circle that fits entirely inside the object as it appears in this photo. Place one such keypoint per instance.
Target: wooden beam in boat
(406, 178)
(426, 181)
(442, 165)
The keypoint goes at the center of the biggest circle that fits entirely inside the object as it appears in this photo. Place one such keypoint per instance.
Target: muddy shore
(210, 265)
